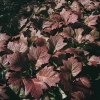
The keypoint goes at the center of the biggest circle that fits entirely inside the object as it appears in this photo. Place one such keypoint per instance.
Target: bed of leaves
(54, 53)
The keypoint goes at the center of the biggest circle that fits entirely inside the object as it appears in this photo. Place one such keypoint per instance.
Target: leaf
(91, 20)
(17, 46)
(4, 61)
(47, 30)
(89, 38)
(22, 22)
(2, 45)
(73, 18)
(75, 6)
(59, 3)
(56, 43)
(56, 17)
(69, 17)
(50, 10)
(14, 78)
(39, 55)
(56, 25)
(73, 66)
(35, 33)
(46, 24)
(92, 6)
(65, 15)
(17, 61)
(64, 77)
(85, 81)
(58, 57)
(75, 52)
(23, 39)
(67, 32)
(78, 34)
(40, 42)
(79, 95)
(95, 34)
(34, 86)
(94, 60)
(47, 75)
(4, 37)
(84, 2)
(82, 84)
(3, 95)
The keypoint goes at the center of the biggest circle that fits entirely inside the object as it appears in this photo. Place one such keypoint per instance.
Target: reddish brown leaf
(66, 83)
(4, 61)
(85, 81)
(17, 46)
(40, 42)
(56, 43)
(64, 77)
(95, 34)
(89, 38)
(22, 21)
(46, 24)
(56, 17)
(75, 52)
(34, 33)
(92, 5)
(4, 37)
(73, 66)
(59, 3)
(2, 45)
(14, 78)
(34, 86)
(68, 32)
(58, 57)
(39, 55)
(78, 35)
(66, 15)
(17, 61)
(23, 39)
(3, 95)
(73, 18)
(82, 84)
(91, 20)
(94, 60)
(48, 76)
(69, 17)
(75, 6)
(56, 25)
(79, 95)
(47, 30)
(84, 2)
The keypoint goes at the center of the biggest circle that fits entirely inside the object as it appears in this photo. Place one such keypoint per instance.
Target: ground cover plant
(50, 50)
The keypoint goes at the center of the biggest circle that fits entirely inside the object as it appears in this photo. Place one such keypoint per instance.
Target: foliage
(52, 52)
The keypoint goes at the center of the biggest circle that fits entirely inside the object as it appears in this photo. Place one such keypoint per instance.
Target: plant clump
(54, 53)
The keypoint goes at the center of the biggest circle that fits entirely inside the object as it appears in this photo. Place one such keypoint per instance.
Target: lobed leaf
(39, 55)
(17, 61)
(34, 86)
(56, 43)
(73, 66)
(47, 75)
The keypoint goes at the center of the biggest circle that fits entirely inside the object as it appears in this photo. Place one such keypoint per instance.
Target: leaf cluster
(54, 54)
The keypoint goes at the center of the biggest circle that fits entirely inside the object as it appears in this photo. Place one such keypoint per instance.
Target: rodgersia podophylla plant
(56, 54)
